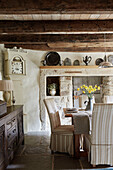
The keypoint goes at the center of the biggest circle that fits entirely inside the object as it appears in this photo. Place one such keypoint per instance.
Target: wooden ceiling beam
(45, 47)
(59, 6)
(69, 42)
(55, 38)
(26, 27)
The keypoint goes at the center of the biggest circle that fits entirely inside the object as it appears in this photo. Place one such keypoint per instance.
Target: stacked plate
(71, 110)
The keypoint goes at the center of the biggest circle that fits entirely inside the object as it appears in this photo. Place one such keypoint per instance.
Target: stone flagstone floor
(36, 155)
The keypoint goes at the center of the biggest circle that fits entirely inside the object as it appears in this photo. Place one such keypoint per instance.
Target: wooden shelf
(66, 67)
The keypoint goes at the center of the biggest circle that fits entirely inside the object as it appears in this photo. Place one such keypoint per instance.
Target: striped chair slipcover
(100, 142)
(61, 135)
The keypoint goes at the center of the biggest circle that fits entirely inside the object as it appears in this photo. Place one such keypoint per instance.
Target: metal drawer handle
(9, 149)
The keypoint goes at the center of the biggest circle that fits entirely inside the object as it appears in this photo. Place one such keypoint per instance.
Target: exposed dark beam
(55, 38)
(45, 47)
(78, 43)
(16, 27)
(59, 6)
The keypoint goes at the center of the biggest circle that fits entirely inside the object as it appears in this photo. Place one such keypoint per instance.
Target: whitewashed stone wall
(107, 86)
(29, 86)
(1, 60)
(65, 98)
(1, 67)
(62, 101)
(66, 91)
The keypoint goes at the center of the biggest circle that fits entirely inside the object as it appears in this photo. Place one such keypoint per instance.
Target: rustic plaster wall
(1, 66)
(29, 85)
(107, 86)
(1, 60)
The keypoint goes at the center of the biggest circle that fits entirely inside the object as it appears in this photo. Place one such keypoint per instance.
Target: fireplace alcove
(67, 76)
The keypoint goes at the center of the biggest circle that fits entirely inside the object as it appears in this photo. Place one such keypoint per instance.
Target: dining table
(81, 119)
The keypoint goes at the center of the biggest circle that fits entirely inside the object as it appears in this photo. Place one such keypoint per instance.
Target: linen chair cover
(100, 142)
(61, 135)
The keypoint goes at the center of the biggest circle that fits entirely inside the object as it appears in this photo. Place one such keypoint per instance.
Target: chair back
(102, 124)
(108, 99)
(53, 113)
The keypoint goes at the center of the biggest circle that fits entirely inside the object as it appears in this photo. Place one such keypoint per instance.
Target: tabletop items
(53, 59)
(98, 61)
(67, 62)
(87, 59)
(76, 63)
(71, 110)
(110, 59)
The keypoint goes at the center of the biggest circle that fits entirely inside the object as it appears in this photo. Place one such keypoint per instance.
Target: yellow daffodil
(98, 87)
(95, 86)
(90, 86)
(92, 90)
(88, 90)
(95, 89)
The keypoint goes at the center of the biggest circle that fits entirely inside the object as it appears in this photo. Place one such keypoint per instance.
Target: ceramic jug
(87, 59)
(43, 62)
(67, 62)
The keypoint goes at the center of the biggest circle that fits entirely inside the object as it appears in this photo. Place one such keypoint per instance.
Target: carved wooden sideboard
(11, 134)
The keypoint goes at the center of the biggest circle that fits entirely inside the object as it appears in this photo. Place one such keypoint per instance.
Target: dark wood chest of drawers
(11, 134)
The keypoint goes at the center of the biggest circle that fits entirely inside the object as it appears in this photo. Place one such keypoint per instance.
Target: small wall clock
(14, 64)
(17, 65)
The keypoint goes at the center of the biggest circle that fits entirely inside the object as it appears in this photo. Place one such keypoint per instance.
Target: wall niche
(51, 80)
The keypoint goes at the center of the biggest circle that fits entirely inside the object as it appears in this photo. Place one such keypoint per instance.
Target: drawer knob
(9, 135)
(9, 149)
(14, 130)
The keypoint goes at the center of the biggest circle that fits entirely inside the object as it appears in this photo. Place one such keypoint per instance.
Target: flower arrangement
(52, 86)
(52, 89)
(89, 90)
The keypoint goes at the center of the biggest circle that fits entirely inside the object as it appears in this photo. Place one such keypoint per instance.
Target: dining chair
(61, 135)
(100, 142)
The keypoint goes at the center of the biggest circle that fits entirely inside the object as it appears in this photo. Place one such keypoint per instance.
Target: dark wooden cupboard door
(11, 134)
(2, 147)
(20, 127)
